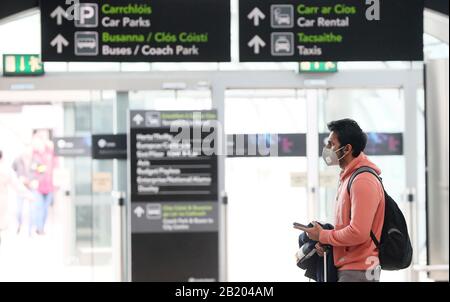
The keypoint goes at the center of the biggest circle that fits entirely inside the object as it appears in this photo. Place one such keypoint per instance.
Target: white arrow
(256, 14)
(256, 43)
(139, 211)
(59, 42)
(138, 119)
(59, 13)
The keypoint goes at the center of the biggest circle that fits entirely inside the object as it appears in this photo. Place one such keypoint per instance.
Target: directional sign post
(73, 146)
(330, 30)
(109, 146)
(137, 30)
(174, 201)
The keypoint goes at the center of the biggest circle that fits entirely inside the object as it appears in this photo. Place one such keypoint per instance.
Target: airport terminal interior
(92, 214)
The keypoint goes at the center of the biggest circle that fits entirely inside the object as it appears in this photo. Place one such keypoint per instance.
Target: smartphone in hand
(300, 226)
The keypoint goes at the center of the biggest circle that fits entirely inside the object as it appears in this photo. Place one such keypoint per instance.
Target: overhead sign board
(136, 30)
(330, 30)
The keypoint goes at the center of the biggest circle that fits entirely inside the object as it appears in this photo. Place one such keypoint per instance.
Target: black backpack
(394, 247)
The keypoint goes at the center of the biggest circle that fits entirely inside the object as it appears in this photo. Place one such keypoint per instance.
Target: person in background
(8, 179)
(42, 165)
(22, 167)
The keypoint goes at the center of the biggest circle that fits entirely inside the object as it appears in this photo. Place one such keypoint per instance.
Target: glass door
(75, 240)
(108, 180)
(266, 193)
(76, 190)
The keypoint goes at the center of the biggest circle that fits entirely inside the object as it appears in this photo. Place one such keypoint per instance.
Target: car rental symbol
(281, 18)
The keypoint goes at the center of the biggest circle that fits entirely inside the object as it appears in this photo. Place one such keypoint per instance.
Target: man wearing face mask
(357, 213)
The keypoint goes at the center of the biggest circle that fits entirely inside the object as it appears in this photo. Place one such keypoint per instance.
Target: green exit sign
(22, 65)
(306, 67)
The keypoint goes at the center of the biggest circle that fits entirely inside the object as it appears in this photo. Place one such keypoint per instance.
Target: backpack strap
(360, 170)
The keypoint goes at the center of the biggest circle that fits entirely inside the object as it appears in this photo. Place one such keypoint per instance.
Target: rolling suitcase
(325, 263)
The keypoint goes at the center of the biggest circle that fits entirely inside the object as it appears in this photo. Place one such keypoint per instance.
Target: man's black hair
(1, 154)
(349, 133)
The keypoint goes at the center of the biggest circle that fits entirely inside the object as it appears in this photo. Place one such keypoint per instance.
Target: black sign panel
(72, 146)
(330, 30)
(136, 30)
(384, 144)
(109, 146)
(259, 145)
(378, 144)
(294, 144)
(164, 169)
(438, 5)
(174, 200)
(11, 7)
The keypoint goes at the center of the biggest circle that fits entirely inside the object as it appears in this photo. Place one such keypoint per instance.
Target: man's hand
(314, 232)
(319, 248)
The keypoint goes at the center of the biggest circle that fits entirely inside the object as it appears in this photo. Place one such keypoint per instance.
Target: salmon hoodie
(355, 217)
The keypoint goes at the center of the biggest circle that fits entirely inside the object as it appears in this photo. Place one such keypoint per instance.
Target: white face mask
(330, 157)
